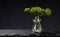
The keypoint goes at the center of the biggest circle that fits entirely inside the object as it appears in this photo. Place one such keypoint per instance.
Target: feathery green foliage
(38, 11)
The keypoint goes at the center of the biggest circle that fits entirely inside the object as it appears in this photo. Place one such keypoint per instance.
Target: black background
(12, 14)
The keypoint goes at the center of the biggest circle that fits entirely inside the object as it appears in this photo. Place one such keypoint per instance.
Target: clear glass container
(37, 28)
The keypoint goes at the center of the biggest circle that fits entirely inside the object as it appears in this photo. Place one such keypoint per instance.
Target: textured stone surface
(14, 32)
